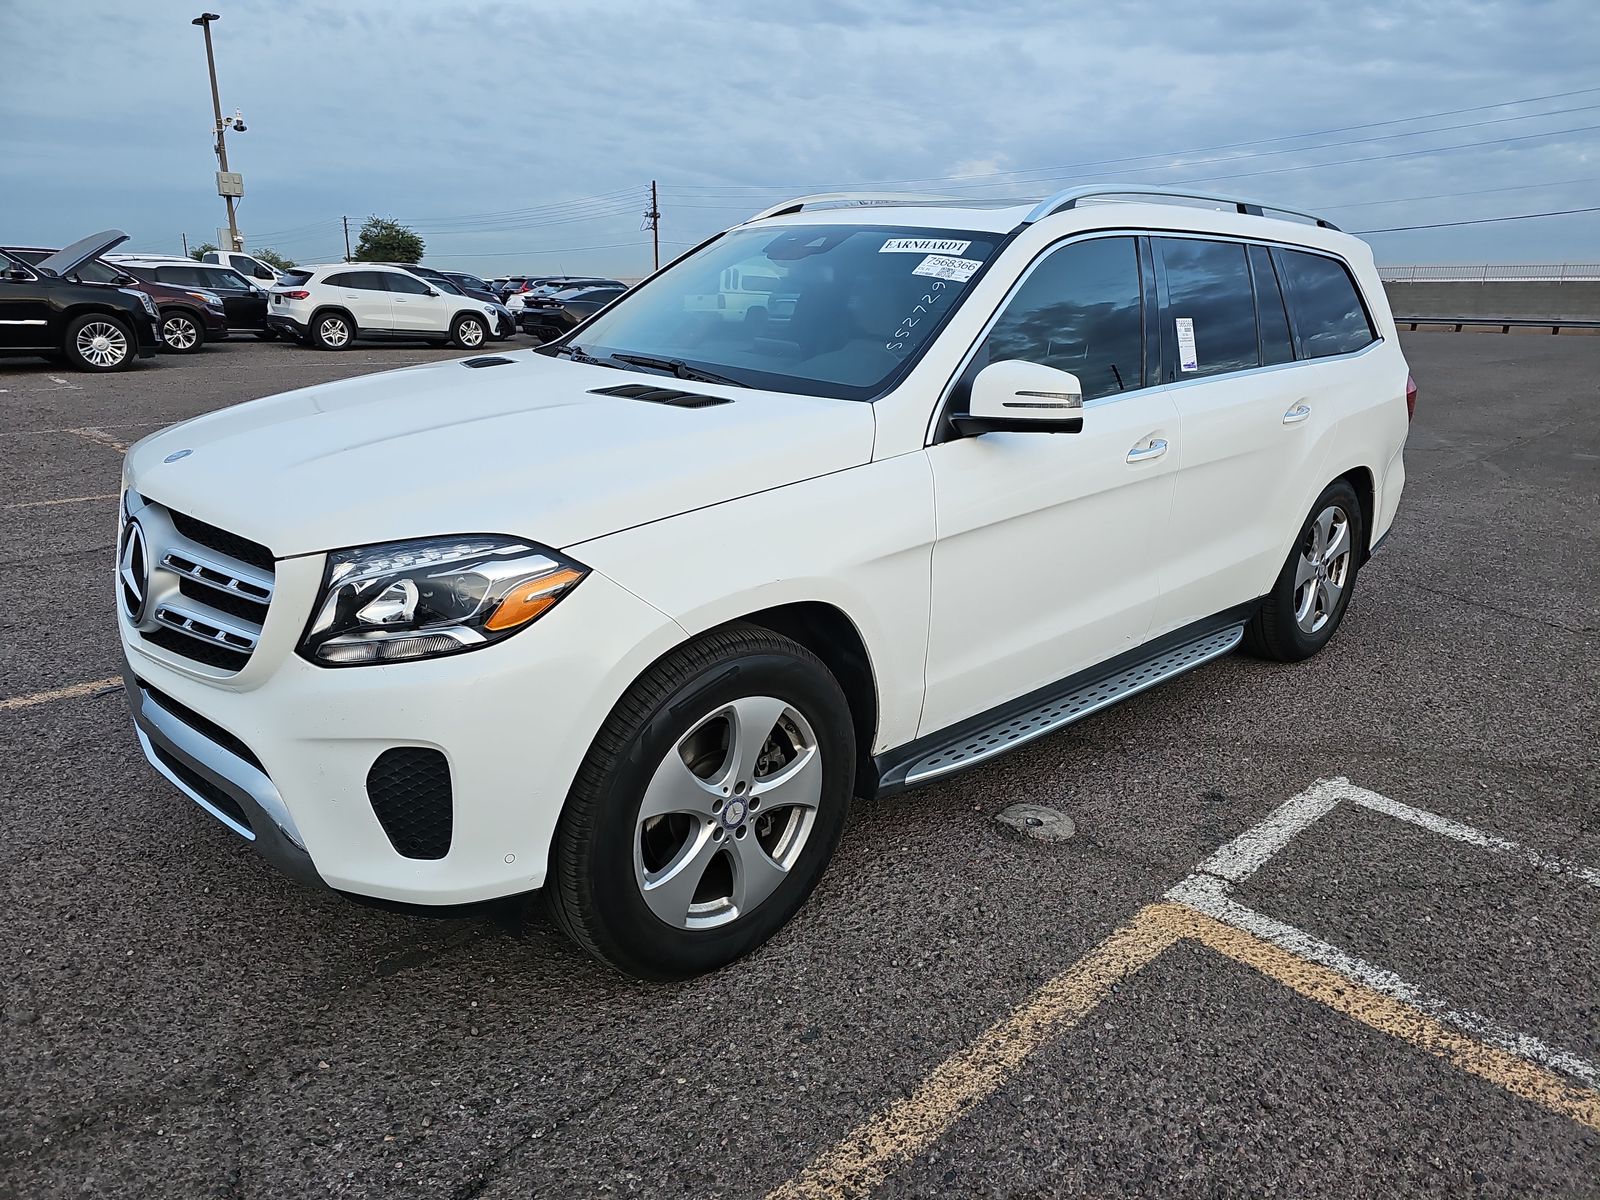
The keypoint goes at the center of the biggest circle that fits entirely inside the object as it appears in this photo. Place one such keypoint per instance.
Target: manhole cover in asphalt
(1037, 821)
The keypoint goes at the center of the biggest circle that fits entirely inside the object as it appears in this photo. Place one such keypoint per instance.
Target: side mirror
(16, 275)
(1022, 397)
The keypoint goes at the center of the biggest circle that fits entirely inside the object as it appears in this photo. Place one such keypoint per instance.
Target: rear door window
(1277, 344)
(1079, 310)
(1210, 317)
(1329, 317)
(407, 285)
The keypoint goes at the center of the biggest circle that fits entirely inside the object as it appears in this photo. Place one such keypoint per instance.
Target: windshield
(832, 310)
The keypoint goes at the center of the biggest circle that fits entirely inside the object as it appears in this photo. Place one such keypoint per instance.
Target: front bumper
(229, 787)
(292, 747)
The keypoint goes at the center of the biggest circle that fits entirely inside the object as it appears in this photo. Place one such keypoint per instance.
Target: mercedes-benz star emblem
(133, 571)
(176, 455)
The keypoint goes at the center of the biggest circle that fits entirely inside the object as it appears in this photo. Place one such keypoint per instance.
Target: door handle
(1297, 414)
(1155, 448)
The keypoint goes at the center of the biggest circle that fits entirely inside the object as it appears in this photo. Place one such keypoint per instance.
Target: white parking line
(1208, 895)
(101, 437)
(1208, 888)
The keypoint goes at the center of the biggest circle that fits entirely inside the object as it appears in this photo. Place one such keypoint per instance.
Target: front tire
(182, 333)
(332, 331)
(468, 332)
(98, 342)
(1312, 592)
(707, 807)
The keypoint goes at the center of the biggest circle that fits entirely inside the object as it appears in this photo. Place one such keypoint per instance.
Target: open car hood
(68, 260)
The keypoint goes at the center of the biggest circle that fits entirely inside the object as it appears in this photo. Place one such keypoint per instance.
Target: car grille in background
(409, 788)
(224, 586)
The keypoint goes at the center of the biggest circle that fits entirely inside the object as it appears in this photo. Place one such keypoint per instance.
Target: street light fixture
(229, 186)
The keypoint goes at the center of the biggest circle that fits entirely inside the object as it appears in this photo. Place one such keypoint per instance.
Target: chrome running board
(1059, 711)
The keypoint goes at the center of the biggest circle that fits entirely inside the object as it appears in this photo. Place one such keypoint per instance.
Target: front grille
(204, 788)
(222, 541)
(409, 788)
(205, 591)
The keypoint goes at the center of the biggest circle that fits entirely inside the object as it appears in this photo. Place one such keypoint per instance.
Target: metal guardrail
(1506, 324)
(1493, 273)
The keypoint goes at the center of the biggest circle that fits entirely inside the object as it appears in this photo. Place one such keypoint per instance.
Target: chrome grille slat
(208, 625)
(246, 583)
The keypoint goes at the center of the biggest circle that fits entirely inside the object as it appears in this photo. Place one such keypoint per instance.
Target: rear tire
(332, 331)
(99, 342)
(1302, 612)
(469, 331)
(182, 332)
(743, 743)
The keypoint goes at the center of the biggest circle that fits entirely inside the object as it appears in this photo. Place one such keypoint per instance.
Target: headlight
(209, 299)
(149, 304)
(431, 597)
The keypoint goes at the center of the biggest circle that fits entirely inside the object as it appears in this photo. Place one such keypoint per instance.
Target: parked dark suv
(44, 310)
(245, 302)
(548, 317)
(189, 318)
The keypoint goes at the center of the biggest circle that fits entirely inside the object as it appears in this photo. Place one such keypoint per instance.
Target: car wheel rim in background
(102, 343)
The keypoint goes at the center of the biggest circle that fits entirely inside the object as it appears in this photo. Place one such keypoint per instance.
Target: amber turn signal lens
(527, 600)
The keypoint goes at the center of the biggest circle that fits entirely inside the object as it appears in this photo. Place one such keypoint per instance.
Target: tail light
(302, 294)
(1411, 397)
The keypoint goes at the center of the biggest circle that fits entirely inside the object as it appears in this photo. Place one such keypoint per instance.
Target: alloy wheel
(727, 813)
(1323, 569)
(179, 333)
(102, 343)
(334, 331)
(471, 334)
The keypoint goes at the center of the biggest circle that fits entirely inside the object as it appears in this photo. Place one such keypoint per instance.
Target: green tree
(199, 252)
(387, 241)
(273, 259)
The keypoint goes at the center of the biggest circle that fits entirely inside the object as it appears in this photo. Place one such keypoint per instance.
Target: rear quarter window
(1324, 304)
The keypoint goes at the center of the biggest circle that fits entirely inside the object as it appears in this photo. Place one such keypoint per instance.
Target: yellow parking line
(1394, 1017)
(102, 438)
(49, 503)
(66, 693)
(854, 1166)
(863, 1159)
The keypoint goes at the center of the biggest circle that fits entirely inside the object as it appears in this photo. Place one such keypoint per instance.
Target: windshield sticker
(940, 266)
(923, 246)
(1187, 361)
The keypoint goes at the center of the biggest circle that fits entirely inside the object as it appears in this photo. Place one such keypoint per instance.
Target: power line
(1520, 187)
(1563, 212)
(1178, 154)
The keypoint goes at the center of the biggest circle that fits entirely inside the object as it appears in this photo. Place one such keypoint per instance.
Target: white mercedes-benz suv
(630, 618)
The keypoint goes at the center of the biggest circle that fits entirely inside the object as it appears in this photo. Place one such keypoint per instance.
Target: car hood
(525, 447)
(67, 260)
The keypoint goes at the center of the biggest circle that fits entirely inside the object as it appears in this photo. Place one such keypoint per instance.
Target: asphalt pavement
(177, 1020)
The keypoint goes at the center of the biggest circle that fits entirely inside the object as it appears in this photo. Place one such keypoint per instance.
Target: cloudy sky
(522, 134)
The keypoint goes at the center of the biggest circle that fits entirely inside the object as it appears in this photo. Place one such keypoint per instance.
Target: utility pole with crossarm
(230, 185)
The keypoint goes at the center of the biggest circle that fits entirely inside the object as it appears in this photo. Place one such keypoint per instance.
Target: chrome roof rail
(859, 200)
(1069, 198)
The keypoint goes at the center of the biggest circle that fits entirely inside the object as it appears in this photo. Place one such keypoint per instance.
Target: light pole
(229, 187)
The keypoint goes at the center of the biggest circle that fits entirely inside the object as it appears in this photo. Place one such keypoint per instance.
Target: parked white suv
(248, 265)
(632, 617)
(330, 306)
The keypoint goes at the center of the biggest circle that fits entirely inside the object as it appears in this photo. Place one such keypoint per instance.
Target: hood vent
(661, 395)
(489, 360)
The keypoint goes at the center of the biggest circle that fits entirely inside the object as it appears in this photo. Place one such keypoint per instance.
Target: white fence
(1492, 273)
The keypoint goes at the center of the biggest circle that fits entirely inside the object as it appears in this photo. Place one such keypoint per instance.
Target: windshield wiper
(675, 366)
(579, 354)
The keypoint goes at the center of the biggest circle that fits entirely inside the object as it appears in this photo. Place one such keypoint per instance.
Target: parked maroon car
(189, 318)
